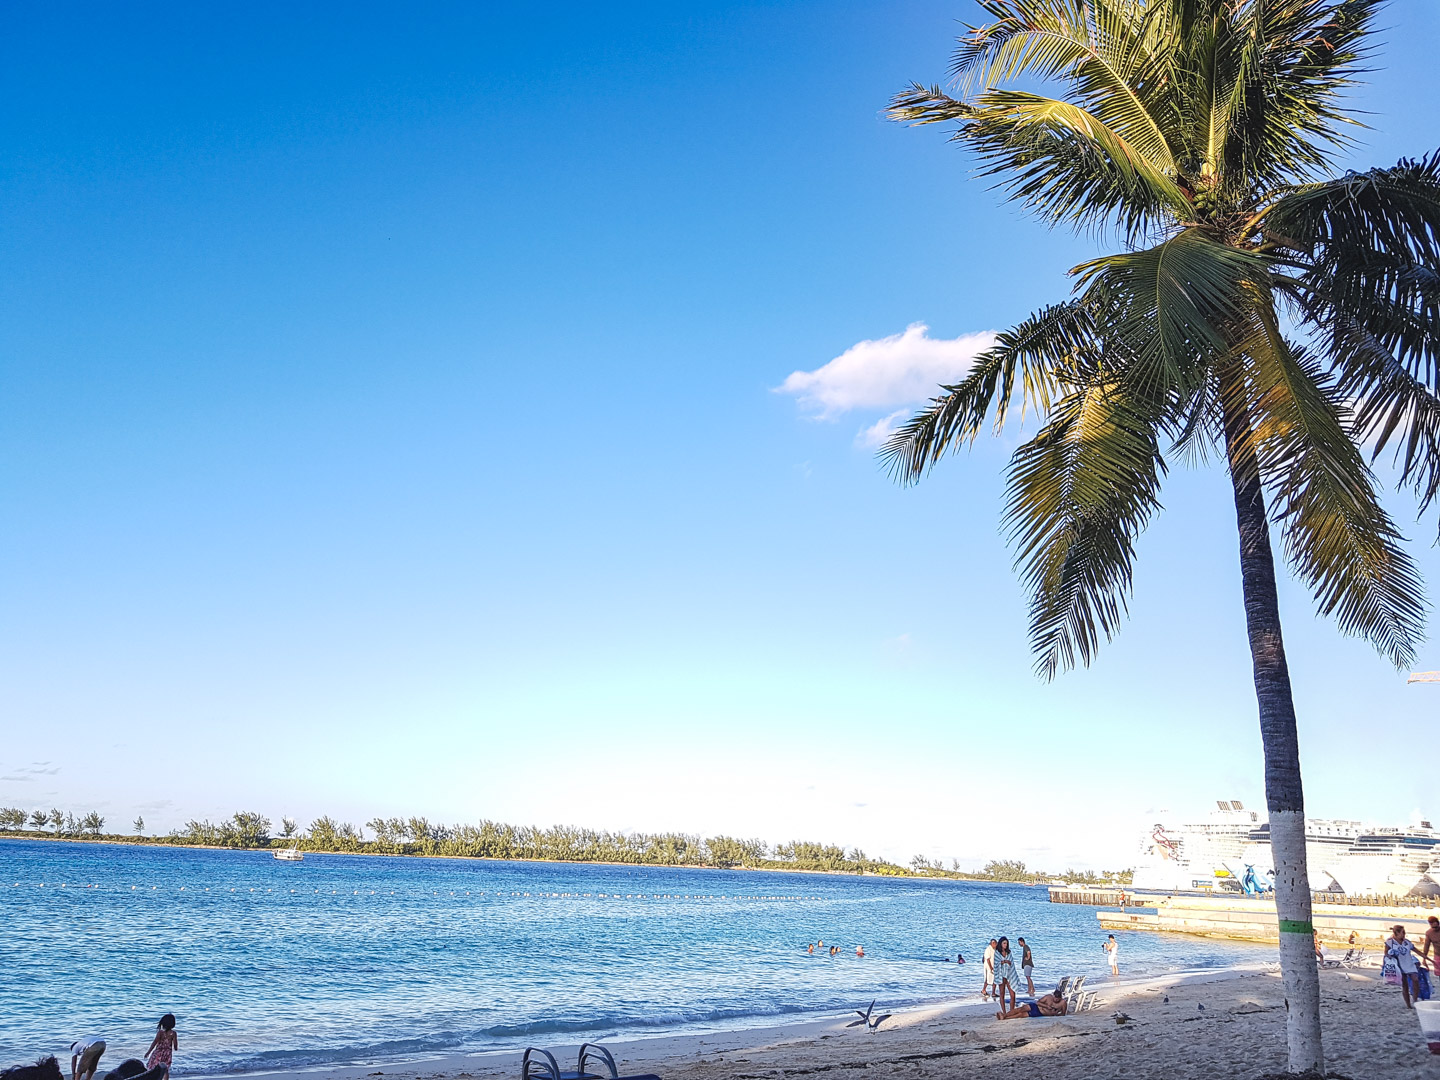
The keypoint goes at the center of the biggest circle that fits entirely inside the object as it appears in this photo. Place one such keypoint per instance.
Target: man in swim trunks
(1052, 1004)
(1430, 941)
(1027, 965)
(85, 1058)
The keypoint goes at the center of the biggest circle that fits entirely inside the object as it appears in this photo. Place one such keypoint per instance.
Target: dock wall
(1255, 920)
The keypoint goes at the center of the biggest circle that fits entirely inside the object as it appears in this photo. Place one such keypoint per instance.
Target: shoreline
(635, 1046)
(1181, 1026)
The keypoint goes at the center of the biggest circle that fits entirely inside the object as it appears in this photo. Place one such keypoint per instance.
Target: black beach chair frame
(538, 1064)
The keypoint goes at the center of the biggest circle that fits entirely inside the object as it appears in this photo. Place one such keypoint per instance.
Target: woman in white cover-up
(1400, 961)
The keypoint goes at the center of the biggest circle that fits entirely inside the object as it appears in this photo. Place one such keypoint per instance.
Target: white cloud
(902, 369)
(874, 435)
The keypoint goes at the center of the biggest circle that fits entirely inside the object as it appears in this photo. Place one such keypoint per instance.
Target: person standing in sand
(1399, 949)
(1112, 953)
(1027, 965)
(163, 1046)
(1432, 940)
(988, 960)
(1005, 975)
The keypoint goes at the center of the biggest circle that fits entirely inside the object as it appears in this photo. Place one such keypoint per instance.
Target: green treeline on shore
(496, 840)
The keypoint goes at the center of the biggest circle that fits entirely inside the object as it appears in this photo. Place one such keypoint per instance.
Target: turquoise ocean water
(346, 959)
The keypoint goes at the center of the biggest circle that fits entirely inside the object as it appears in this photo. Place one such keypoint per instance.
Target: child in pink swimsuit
(163, 1046)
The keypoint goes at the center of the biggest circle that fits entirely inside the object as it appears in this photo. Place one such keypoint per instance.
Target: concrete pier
(1254, 919)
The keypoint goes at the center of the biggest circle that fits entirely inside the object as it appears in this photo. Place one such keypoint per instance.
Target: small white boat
(290, 854)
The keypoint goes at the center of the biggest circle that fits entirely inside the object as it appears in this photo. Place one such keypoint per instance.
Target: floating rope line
(468, 892)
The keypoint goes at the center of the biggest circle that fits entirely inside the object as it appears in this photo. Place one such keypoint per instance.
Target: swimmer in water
(860, 951)
(960, 959)
(812, 950)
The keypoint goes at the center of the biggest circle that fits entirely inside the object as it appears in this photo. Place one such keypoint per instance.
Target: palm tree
(1259, 308)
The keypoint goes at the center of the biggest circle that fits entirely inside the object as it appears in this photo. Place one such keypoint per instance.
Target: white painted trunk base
(1297, 940)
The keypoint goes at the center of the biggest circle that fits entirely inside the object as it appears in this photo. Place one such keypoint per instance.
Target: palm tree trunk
(1284, 795)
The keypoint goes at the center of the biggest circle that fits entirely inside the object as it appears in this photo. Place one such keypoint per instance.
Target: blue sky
(390, 425)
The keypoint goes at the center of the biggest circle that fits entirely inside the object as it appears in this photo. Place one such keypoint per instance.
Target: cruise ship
(1231, 852)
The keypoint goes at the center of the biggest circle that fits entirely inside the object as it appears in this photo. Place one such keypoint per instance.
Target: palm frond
(1174, 303)
(1338, 538)
(1067, 164)
(1390, 403)
(1293, 61)
(1080, 493)
(1394, 210)
(1100, 50)
(1367, 247)
(918, 104)
(1368, 250)
(1038, 351)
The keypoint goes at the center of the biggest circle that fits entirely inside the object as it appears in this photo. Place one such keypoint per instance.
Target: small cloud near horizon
(900, 370)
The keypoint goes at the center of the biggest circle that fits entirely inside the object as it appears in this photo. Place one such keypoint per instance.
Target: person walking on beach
(1399, 950)
(988, 960)
(1027, 966)
(1432, 940)
(163, 1046)
(85, 1058)
(1112, 953)
(1005, 974)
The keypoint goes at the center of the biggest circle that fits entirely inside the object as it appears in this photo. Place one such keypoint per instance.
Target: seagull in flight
(872, 1023)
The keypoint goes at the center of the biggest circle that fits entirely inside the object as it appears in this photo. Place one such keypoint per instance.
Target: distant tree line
(1013, 870)
(58, 822)
(488, 840)
(496, 840)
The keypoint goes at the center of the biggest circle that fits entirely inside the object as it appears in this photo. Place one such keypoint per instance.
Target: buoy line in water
(498, 894)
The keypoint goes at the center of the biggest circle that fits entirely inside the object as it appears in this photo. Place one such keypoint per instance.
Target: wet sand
(1239, 1032)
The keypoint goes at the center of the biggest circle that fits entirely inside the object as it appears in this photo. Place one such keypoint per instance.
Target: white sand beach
(1239, 1032)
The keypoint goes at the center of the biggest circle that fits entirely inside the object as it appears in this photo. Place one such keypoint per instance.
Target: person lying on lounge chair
(1051, 1004)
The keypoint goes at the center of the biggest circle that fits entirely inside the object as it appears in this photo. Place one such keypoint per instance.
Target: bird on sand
(871, 1022)
(1122, 1018)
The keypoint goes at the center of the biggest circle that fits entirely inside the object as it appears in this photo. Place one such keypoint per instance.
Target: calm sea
(350, 959)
